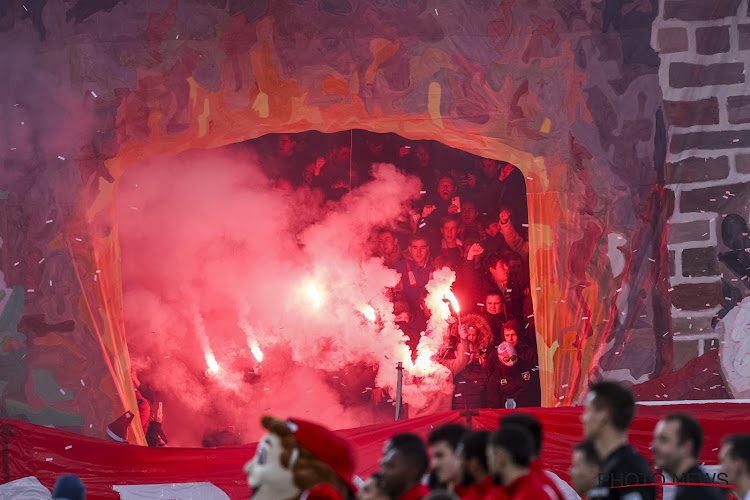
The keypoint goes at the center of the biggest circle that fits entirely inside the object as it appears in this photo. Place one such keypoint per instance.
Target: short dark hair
(475, 446)
(496, 257)
(412, 448)
(532, 425)
(452, 434)
(515, 325)
(739, 447)
(516, 441)
(689, 429)
(388, 230)
(590, 456)
(616, 399)
(449, 218)
(420, 235)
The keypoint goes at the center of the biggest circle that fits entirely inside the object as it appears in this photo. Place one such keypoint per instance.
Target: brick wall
(705, 53)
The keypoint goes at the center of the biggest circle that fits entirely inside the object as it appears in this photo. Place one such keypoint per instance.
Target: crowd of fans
(472, 217)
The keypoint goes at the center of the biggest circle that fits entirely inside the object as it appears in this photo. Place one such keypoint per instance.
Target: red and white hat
(328, 447)
(118, 430)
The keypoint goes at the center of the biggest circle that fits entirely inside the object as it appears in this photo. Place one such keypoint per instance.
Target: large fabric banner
(112, 470)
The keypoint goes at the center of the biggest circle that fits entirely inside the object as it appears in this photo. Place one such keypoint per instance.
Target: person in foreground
(734, 457)
(403, 464)
(509, 454)
(676, 448)
(624, 473)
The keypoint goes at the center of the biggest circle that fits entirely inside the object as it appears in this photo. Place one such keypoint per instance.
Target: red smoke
(220, 269)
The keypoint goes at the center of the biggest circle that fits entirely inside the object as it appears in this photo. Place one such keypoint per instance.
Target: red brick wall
(705, 52)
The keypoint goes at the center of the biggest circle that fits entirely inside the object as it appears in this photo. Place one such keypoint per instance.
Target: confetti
(133, 208)
(69, 447)
(436, 12)
(457, 395)
(79, 239)
(266, 389)
(61, 158)
(83, 383)
(670, 289)
(652, 260)
(24, 8)
(167, 357)
(48, 459)
(93, 94)
(41, 260)
(50, 221)
(16, 264)
(91, 426)
(530, 178)
(95, 276)
(30, 290)
(480, 305)
(62, 391)
(423, 192)
(423, 224)
(50, 282)
(98, 271)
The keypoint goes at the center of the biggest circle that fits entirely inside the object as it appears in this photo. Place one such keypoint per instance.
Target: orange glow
(454, 302)
(213, 365)
(368, 312)
(255, 349)
(314, 294)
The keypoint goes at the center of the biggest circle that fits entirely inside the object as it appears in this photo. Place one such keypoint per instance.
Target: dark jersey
(621, 473)
(689, 492)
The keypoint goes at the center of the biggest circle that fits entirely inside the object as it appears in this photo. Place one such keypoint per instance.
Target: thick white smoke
(221, 269)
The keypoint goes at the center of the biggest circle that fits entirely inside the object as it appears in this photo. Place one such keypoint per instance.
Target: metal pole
(400, 368)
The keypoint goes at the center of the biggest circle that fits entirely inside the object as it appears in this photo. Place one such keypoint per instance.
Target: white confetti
(436, 12)
(41, 260)
(457, 395)
(525, 225)
(423, 192)
(69, 447)
(95, 276)
(48, 459)
(83, 383)
(24, 8)
(79, 239)
(17, 263)
(62, 391)
(30, 290)
(61, 157)
(167, 357)
(98, 271)
(423, 224)
(133, 208)
(50, 221)
(93, 94)
(266, 389)
(50, 282)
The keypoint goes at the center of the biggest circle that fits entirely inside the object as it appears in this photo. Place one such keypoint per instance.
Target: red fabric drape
(102, 464)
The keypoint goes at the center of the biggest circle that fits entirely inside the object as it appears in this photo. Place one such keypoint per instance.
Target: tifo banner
(112, 470)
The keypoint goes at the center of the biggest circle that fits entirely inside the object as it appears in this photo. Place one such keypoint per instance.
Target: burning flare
(368, 312)
(257, 352)
(314, 294)
(208, 353)
(213, 365)
(452, 299)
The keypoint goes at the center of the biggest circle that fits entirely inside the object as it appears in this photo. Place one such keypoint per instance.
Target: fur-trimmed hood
(485, 332)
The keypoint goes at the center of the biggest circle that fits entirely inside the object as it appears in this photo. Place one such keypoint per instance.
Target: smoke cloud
(220, 269)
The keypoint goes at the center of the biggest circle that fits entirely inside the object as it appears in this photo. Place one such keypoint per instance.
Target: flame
(368, 312)
(314, 294)
(453, 300)
(424, 363)
(255, 349)
(213, 365)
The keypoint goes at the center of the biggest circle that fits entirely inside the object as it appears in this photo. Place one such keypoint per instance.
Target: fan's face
(266, 475)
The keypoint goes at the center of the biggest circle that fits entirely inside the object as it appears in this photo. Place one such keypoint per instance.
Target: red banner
(47, 453)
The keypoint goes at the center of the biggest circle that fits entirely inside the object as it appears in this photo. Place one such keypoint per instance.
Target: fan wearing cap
(300, 460)
(512, 378)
